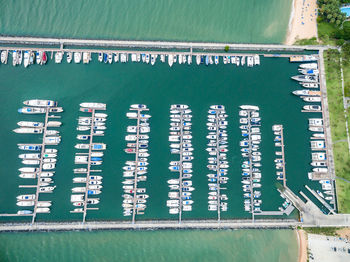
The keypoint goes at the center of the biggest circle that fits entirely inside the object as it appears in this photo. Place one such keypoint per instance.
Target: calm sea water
(240, 245)
(197, 20)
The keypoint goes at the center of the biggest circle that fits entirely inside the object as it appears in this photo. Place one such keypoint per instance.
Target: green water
(248, 21)
(240, 245)
(269, 86)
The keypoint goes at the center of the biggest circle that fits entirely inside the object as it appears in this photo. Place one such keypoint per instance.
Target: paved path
(158, 224)
(345, 180)
(341, 140)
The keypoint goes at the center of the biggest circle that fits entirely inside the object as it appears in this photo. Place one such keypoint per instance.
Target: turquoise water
(248, 21)
(346, 10)
(119, 85)
(240, 245)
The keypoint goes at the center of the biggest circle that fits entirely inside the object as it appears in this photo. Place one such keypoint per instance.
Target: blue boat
(96, 158)
(202, 59)
(186, 198)
(143, 146)
(105, 58)
(206, 60)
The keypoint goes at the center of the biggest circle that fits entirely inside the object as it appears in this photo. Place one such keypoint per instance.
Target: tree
(227, 48)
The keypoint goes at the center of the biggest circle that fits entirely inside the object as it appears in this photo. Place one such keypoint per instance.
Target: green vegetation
(330, 12)
(227, 48)
(311, 41)
(338, 128)
(328, 231)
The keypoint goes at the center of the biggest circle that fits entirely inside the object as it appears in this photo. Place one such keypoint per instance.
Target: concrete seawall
(151, 44)
(149, 225)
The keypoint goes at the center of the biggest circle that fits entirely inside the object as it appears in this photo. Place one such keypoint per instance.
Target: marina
(181, 187)
(44, 157)
(218, 164)
(95, 126)
(200, 148)
(135, 199)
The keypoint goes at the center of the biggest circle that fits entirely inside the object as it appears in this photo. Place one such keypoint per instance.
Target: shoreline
(302, 22)
(302, 245)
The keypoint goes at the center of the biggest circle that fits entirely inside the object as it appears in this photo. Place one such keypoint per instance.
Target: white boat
(58, 57)
(4, 57)
(29, 156)
(110, 58)
(86, 57)
(170, 60)
(44, 204)
(26, 58)
(153, 59)
(309, 85)
(54, 124)
(30, 124)
(26, 197)
(198, 59)
(98, 106)
(40, 103)
(315, 108)
(28, 169)
(69, 57)
(31, 162)
(257, 60)
(28, 130)
(243, 60)
(77, 57)
(50, 150)
(43, 210)
(116, 57)
(47, 189)
(249, 107)
(309, 66)
(49, 166)
(25, 203)
(52, 140)
(315, 99)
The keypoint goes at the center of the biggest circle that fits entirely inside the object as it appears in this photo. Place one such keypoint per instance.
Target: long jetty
(40, 167)
(62, 42)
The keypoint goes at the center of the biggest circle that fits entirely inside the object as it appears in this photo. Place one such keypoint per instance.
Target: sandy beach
(302, 239)
(302, 24)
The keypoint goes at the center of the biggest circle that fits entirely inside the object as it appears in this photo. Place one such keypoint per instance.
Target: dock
(138, 126)
(180, 164)
(40, 167)
(331, 210)
(250, 159)
(88, 171)
(85, 207)
(283, 163)
(218, 187)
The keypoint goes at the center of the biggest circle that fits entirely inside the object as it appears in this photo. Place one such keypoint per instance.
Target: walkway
(152, 44)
